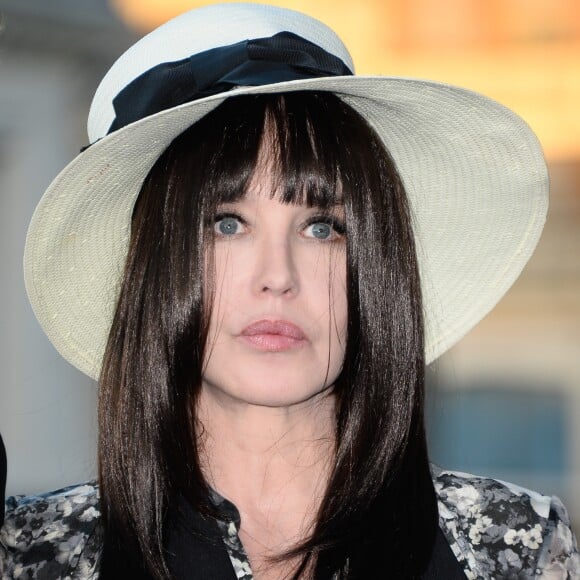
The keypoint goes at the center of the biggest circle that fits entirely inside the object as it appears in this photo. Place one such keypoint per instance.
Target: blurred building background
(504, 402)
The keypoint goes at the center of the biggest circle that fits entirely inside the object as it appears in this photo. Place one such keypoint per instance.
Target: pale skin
(273, 465)
(266, 402)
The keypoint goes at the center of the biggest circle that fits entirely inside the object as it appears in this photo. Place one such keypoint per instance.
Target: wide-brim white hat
(473, 171)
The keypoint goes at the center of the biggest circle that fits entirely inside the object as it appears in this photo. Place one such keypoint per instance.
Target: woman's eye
(320, 231)
(228, 225)
(324, 230)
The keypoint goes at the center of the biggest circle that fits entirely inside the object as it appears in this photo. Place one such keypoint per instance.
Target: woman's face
(278, 324)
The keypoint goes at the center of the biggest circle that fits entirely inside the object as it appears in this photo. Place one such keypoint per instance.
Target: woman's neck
(272, 463)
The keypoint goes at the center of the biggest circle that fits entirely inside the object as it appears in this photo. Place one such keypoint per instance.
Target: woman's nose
(275, 271)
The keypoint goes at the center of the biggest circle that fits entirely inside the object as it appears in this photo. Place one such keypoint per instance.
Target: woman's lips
(273, 335)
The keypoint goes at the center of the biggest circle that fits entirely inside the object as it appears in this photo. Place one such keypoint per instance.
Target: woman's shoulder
(50, 535)
(497, 529)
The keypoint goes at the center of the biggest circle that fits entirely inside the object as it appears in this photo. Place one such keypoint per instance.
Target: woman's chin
(267, 395)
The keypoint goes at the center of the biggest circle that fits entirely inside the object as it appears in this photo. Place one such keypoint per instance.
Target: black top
(191, 557)
(443, 564)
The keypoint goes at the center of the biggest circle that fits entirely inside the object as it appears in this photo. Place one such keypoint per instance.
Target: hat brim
(473, 170)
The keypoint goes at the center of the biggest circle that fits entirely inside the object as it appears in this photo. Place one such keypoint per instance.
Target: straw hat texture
(473, 170)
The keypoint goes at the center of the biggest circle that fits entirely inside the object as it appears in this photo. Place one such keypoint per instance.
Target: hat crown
(194, 32)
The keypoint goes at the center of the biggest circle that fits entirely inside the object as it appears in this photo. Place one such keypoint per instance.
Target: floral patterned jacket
(495, 530)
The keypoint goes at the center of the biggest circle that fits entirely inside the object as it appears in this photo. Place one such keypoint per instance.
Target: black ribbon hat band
(282, 57)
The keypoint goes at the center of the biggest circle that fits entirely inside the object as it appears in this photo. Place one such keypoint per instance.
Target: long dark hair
(379, 510)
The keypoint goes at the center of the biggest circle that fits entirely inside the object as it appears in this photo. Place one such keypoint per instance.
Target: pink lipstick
(273, 335)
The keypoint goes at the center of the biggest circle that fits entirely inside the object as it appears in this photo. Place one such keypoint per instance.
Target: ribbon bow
(282, 57)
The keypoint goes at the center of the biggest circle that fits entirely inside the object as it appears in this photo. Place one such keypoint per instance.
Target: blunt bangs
(292, 136)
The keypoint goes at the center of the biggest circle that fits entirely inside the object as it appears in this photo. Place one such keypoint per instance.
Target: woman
(282, 258)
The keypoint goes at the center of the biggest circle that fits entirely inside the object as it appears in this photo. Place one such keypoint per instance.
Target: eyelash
(223, 215)
(337, 224)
